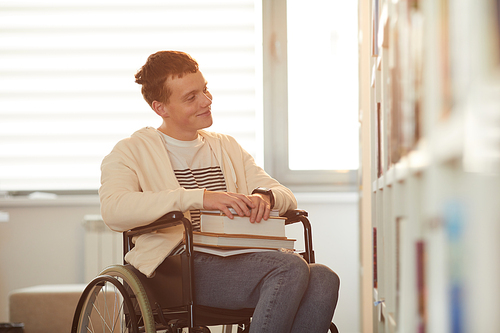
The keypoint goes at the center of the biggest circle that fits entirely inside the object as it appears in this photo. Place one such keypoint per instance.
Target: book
(375, 278)
(375, 18)
(380, 142)
(227, 252)
(217, 222)
(421, 285)
(234, 241)
(273, 213)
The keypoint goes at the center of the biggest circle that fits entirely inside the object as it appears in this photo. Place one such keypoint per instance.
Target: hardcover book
(226, 241)
(217, 222)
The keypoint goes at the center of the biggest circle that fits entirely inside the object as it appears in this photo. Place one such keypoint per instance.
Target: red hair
(158, 68)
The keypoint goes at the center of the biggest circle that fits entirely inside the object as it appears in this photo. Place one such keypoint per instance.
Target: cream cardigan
(138, 186)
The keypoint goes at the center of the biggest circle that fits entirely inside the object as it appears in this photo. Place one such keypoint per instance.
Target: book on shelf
(234, 241)
(375, 18)
(496, 32)
(421, 285)
(394, 117)
(375, 278)
(400, 225)
(217, 222)
(380, 141)
(445, 59)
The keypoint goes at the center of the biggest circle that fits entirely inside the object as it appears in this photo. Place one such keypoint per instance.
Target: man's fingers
(226, 212)
(261, 211)
(247, 202)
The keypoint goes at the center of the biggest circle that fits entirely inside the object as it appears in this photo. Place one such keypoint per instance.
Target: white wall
(334, 219)
(42, 243)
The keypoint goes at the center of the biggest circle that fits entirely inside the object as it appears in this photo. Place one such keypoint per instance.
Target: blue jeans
(288, 294)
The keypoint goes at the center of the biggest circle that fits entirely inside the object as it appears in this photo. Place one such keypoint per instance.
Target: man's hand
(262, 209)
(224, 200)
(256, 206)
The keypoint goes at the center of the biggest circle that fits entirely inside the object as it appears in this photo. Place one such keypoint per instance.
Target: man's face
(188, 108)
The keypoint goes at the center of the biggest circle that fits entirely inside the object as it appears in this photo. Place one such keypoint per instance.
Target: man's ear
(160, 109)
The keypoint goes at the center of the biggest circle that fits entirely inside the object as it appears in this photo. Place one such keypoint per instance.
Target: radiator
(102, 246)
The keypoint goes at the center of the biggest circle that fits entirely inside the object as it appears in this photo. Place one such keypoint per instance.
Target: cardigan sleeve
(255, 176)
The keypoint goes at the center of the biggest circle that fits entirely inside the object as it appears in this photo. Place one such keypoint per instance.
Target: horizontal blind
(67, 90)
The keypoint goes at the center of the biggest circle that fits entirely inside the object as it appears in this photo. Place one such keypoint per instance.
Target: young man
(182, 167)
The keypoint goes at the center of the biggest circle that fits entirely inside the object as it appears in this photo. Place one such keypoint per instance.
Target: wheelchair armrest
(168, 220)
(294, 216)
(298, 215)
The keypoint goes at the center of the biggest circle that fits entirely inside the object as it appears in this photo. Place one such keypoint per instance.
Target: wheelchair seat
(122, 299)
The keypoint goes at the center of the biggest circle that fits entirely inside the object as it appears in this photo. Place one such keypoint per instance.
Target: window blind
(67, 90)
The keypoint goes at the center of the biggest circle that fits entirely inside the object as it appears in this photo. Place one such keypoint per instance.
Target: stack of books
(223, 236)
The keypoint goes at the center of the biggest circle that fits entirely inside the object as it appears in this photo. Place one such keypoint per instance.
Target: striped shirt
(195, 166)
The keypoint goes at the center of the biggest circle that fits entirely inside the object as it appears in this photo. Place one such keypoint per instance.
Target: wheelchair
(122, 299)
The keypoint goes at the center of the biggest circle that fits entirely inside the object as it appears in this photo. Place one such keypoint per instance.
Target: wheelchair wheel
(115, 301)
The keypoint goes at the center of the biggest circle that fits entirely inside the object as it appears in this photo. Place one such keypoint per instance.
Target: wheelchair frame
(123, 298)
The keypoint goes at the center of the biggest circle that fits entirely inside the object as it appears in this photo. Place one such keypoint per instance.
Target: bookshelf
(430, 160)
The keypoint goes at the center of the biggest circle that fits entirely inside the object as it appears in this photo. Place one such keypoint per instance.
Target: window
(67, 91)
(311, 92)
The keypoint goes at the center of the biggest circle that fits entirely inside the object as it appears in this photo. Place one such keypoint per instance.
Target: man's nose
(208, 97)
